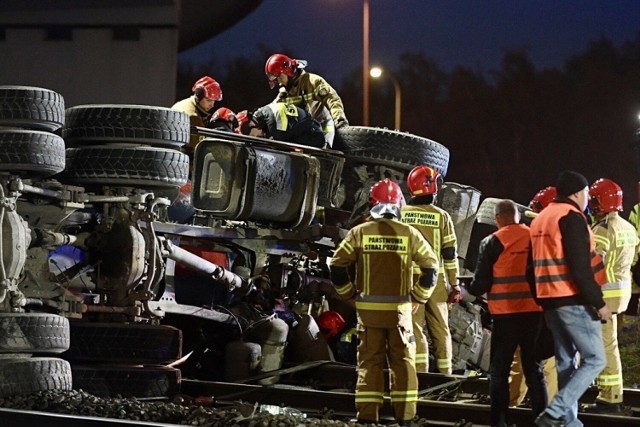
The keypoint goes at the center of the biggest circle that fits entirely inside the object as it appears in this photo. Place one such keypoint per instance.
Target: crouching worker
(282, 122)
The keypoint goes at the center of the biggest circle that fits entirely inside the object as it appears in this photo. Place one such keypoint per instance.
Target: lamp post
(376, 72)
(365, 63)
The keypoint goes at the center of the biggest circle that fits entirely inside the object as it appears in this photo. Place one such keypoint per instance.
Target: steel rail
(317, 403)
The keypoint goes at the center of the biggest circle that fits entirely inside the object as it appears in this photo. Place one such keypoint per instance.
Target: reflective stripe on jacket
(436, 226)
(383, 251)
(553, 278)
(312, 93)
(510, 292)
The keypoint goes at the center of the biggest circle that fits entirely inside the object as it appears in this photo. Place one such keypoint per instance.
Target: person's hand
(414, 307)
(604, 313)
(455, 296)
(342, 123)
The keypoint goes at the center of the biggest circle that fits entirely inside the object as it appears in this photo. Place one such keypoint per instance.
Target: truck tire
(126, 123)
(31, 108)
(33, 333)
(133, 343)
(391, 148)
(126, 381)
(126, 165)
(22, 376)
(31, 152)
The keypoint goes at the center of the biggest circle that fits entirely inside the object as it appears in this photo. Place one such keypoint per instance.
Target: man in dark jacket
(568, 274)
(517, 318)
(283, 122)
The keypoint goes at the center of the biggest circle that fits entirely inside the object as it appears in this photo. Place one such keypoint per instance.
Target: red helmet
(207, 87)
(281, 64)
(330, 324)
(386, 198)
(542, 199)
(422, 181)
(605, 196)
(244, 117)
(225, 115)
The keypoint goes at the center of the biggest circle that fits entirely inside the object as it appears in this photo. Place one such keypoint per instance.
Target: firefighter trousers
(437, 321)
(422, 344)
(396, 345)
(518, 386)
(610, 379)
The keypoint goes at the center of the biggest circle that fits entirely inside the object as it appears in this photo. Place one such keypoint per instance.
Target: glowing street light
(376, 72)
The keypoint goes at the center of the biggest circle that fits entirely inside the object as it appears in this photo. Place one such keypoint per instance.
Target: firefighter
(616, 240)
(436, 226)
(382, 250)
(223, 119)
(517, 318)
(199, 106)
(308, 91)
(568, 273)
(340, 335)
(284, 122)
(634, 304)
(542, 199)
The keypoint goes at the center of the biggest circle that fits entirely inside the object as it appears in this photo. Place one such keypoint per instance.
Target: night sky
(474, 33)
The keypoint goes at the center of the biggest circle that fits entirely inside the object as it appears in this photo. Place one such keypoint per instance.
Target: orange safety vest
(510, 292)
(553, 278)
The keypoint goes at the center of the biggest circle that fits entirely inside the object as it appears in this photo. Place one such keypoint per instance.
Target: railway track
(328, 387)
(324, 390)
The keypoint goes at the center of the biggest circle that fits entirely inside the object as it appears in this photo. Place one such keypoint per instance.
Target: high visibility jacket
(634, 219)
(553, 278)
(289, 123)
(383, 251)
(510, 292)
(315, 95)
(617, 241)
(436, 226)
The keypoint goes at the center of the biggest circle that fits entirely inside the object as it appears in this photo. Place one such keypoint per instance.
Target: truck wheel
(133, 343)
(126, 381)
(126, 123)
(22, 376)
(31, 152)
(33, 333)
(126, 165)
(391, 148)
(31, 108)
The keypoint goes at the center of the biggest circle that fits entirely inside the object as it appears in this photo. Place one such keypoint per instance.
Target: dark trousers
(509, 332)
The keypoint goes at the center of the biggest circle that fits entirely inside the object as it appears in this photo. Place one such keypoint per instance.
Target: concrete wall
(92, 51)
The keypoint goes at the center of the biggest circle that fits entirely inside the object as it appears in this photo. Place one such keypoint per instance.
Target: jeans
(509, 332)
(575, 331)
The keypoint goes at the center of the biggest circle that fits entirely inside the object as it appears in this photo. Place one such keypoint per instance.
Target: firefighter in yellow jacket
(308, 91)
(616, 240)
(199, 107)
(436, 226)
(384, 295)
(634, 304)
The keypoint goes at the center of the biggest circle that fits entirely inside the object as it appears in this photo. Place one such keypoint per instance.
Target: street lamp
(376, 72)
(365, 63)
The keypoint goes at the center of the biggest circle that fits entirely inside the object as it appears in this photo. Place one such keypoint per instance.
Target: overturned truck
(125, 267)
